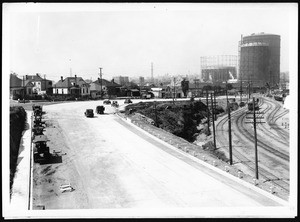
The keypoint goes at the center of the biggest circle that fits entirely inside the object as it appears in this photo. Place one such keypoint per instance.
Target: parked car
(242, 104)
(106, 101)
(115, 104)
(100, 109)
(127, 101)
(89, 113)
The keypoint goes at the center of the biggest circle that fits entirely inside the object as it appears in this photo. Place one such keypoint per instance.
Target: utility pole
(229, 127)
(255, 140)
(45, 84)
(215, 104)
(24, 89)
(213, 120)
(207, 112)
(100, 82)
(156, 122)
(174, 91)
(241, 92)
(196, 82)
(254, 117)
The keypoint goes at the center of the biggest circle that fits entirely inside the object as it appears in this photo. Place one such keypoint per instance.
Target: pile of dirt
(17, 125)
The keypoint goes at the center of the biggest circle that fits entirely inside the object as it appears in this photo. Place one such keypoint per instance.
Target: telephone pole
(215, 104)
(100, 82)
(24, 88)
(208, 119)
(213, 120)
(229, 127)
(254, 117)
(255, 140)
(174, 91)
(156, 122)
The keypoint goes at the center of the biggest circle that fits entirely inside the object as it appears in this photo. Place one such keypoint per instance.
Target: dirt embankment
(181, 118)
(17, 125)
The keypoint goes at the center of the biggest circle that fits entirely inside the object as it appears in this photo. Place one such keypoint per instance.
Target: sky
(124, 39)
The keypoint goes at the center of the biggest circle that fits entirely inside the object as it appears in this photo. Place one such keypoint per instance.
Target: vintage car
(89, 113)
(115, 104)
(106, 101)
(242, 104)
(100, 109)
(127, 101)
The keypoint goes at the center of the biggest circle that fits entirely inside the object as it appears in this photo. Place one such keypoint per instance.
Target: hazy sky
(124, 39)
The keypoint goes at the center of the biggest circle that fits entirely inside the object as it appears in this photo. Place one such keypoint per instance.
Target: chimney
(99, 80)
(26, 77)
(61, 78)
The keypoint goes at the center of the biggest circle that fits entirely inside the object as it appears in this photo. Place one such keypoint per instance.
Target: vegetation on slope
(17, 125)
(180, 119)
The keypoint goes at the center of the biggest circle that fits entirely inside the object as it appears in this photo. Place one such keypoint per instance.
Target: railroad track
(248, 133)
(274, 116)
(264, 171)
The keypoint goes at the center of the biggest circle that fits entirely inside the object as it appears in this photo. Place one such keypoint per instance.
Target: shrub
(17, 124)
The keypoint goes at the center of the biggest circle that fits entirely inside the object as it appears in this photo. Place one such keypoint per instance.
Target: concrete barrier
(214, 163)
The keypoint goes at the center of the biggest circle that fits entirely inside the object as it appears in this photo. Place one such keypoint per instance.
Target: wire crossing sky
(124, 39)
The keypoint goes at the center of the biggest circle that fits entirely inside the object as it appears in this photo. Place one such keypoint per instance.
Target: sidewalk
(20, 190)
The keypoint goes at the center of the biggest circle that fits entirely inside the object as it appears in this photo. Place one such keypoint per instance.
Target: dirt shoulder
(47, 178)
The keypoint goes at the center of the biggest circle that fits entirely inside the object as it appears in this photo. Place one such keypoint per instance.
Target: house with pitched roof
(72, 86)
(108, 88)
(40, 85)
(20, 87)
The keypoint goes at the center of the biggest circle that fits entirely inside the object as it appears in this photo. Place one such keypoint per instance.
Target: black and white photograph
(149, 110)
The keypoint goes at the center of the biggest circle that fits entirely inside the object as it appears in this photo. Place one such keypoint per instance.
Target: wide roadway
(114, 165)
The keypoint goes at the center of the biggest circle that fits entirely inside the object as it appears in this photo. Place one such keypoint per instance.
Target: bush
(17, 124)
(180, 119)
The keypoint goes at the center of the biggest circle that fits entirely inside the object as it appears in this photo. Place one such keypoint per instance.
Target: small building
(157, 92)
(134, 92)
(19, 88)
(40, 85)
(72, 86)
(108, 88)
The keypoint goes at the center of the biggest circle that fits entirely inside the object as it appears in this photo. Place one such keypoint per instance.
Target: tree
(207, 87)
(185, 87)
(229, 86)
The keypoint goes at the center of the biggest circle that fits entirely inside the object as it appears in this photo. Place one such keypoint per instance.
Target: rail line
(248, 133)
(264, 171)
(280, 135)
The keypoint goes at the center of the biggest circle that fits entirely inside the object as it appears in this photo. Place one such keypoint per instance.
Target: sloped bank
(17, 125)
(185, 119)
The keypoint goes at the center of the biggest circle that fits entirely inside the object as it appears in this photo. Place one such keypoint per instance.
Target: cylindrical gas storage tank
(260, 58)
(254, 63)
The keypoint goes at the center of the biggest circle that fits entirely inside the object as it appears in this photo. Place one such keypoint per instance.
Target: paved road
(116, 166)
